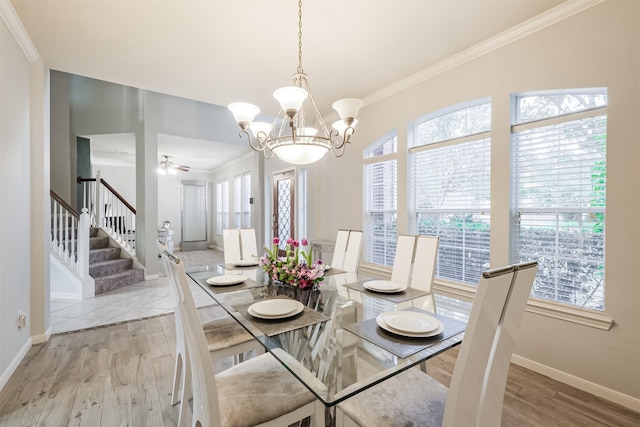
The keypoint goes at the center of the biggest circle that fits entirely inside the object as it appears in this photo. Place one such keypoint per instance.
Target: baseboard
(621, 399)
(37, 339)
(14, 364)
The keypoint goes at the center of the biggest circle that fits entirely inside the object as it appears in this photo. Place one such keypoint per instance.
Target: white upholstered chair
(225, 338)
(231, 245)
(401, 270)
(352, 254)
(340, 249)
(476, 393)
(257, 392)
(249, 247)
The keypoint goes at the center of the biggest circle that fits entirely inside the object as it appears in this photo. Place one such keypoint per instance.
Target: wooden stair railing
(110, 211)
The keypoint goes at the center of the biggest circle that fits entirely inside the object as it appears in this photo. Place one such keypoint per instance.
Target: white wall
(15, 192)
(598, 47)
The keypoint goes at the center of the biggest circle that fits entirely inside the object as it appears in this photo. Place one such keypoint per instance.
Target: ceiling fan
(167, 167)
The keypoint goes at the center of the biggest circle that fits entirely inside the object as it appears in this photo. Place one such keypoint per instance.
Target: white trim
(14, 364)
(552, 16)
(11, 19)
(38, 339)
(622, 399)
(584, 317)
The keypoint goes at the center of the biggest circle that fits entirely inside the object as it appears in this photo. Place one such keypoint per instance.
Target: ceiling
(220, 51)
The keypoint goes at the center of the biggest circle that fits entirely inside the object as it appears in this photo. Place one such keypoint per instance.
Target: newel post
(84, 226)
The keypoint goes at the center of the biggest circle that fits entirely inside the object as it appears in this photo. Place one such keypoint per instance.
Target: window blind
(559, 198)
(246, 196)
(381, 183)
(219, 207)
(237, 201)
(450, 198)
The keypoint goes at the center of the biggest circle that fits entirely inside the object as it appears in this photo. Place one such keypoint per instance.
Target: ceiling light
(291, 136)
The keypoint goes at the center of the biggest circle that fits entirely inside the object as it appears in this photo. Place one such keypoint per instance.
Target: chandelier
(299, 134)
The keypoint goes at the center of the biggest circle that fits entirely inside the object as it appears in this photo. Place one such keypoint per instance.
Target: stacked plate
(226, 280)
(245, 263)
(410, 323)
(276, 308)
(384, 286)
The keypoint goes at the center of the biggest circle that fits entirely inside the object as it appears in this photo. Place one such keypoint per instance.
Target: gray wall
(599, 47)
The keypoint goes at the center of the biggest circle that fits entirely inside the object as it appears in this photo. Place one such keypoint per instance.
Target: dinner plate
(411, 321)
(277, 308)
(226, 280)
(245, 263)
(383, 325)
(385, 286)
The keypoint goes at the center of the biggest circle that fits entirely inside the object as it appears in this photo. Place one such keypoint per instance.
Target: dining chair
(225, 338)
(248, 244)
(424, 266)
(476, 392)
(340, 249)
(257, 392)
(231, 245)
(401, 270)
(352, 254)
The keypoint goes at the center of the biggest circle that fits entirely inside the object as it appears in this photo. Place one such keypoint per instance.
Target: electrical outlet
(22, 319)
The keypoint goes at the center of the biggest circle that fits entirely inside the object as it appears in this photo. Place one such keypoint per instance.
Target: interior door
(284, 190)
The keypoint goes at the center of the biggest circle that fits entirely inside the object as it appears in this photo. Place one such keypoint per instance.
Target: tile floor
(140, 300)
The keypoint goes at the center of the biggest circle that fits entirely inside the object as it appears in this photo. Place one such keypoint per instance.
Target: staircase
(106, 266)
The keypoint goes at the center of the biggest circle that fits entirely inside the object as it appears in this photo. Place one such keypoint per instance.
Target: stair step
(104, 254)
(106, 268)
(118, 280)
(98, 242)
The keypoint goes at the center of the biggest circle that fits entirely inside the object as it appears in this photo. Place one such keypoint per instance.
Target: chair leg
(177, 376)
(186, 396)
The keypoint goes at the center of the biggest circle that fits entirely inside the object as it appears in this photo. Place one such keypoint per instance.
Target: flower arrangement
(295, 268)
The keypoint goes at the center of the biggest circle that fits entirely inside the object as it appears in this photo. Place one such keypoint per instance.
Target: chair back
(479, 378)
(231, 245)
(401, 271)
(340, 249)
(248, 243)
(352, 254)
(206, 408)
(424, 262)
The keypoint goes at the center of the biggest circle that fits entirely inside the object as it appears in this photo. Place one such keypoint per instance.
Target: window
(449, 178)
(237, 201)
(558, 193)
(225, 203)
(241, 199)
(380, 203)
(219, 207)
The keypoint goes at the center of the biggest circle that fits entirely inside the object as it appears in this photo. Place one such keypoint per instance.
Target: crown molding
(11, 19)
(524, 29)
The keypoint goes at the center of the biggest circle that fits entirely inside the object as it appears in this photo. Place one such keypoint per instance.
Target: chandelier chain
(300, 37)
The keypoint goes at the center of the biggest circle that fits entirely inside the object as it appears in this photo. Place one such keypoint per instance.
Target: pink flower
(295, 244)
(276, 240)
(289, 241)
(304, 242)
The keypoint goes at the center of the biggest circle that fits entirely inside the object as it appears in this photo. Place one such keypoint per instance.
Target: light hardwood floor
(120, 375)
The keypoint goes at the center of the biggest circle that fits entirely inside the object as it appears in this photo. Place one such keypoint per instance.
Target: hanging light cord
(300, 37)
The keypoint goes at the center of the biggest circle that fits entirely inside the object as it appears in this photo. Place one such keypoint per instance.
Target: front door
(284, 190)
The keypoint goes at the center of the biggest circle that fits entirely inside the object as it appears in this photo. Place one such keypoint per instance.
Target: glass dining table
(337, 336)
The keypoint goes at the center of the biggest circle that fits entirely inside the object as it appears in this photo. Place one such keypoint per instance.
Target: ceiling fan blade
(183, 168)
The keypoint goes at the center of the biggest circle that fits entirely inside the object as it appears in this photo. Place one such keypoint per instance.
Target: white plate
(245, 263)
(269, 310)
(226, 280)
(383, 325)
(411, 321)
(385, 286)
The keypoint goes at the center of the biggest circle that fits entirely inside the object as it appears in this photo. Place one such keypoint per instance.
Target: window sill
(592, 319)
(563, 312)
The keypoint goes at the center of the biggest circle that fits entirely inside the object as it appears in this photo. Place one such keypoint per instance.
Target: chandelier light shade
(299, 134)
